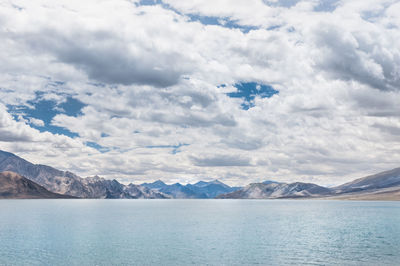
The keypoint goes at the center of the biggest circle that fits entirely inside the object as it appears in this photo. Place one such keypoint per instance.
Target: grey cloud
(392, 130)
(189, 98)
(239, 139)
(384, 113)
(377, 103)
(107, 58)
(193, 119)
(320, 111)
(350, 56)
(186, 98)
(245, 144)
(371, 100)
(8, 136)
(221, 160)
(311, 171)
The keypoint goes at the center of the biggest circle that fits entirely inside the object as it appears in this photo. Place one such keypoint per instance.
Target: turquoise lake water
(199, 232)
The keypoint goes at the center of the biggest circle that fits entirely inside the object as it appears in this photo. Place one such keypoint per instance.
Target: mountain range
(22, 179)
(14, 186)
(67, 183)
(275, 190)
(382, 186)
(199, 190)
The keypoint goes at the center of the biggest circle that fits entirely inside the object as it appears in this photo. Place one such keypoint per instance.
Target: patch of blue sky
(327, 5)
(323, 5)
(223, 22)
(205, 20)
(45, 110)
(6, 90)
(175, 148)
(17, 7)
(275, 27)
(96, 146)
(149, 2)
(248, 91)
(282, 3)
(374, 15)
(72, 107)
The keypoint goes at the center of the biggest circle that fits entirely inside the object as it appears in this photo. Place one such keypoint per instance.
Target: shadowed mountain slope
(15, 186)
(381, 180)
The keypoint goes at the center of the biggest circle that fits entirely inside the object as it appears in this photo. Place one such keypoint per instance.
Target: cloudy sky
(242, 91)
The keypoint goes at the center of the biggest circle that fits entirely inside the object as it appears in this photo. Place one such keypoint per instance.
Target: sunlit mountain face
(182, 91)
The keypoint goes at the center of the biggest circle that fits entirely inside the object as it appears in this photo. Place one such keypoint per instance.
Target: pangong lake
(199, 232)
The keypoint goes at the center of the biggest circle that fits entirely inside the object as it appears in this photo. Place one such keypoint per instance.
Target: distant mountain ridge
(382, 180)
(381, 186)
(14, 186)
(273, 190)
(199, 190)
(67, 183)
